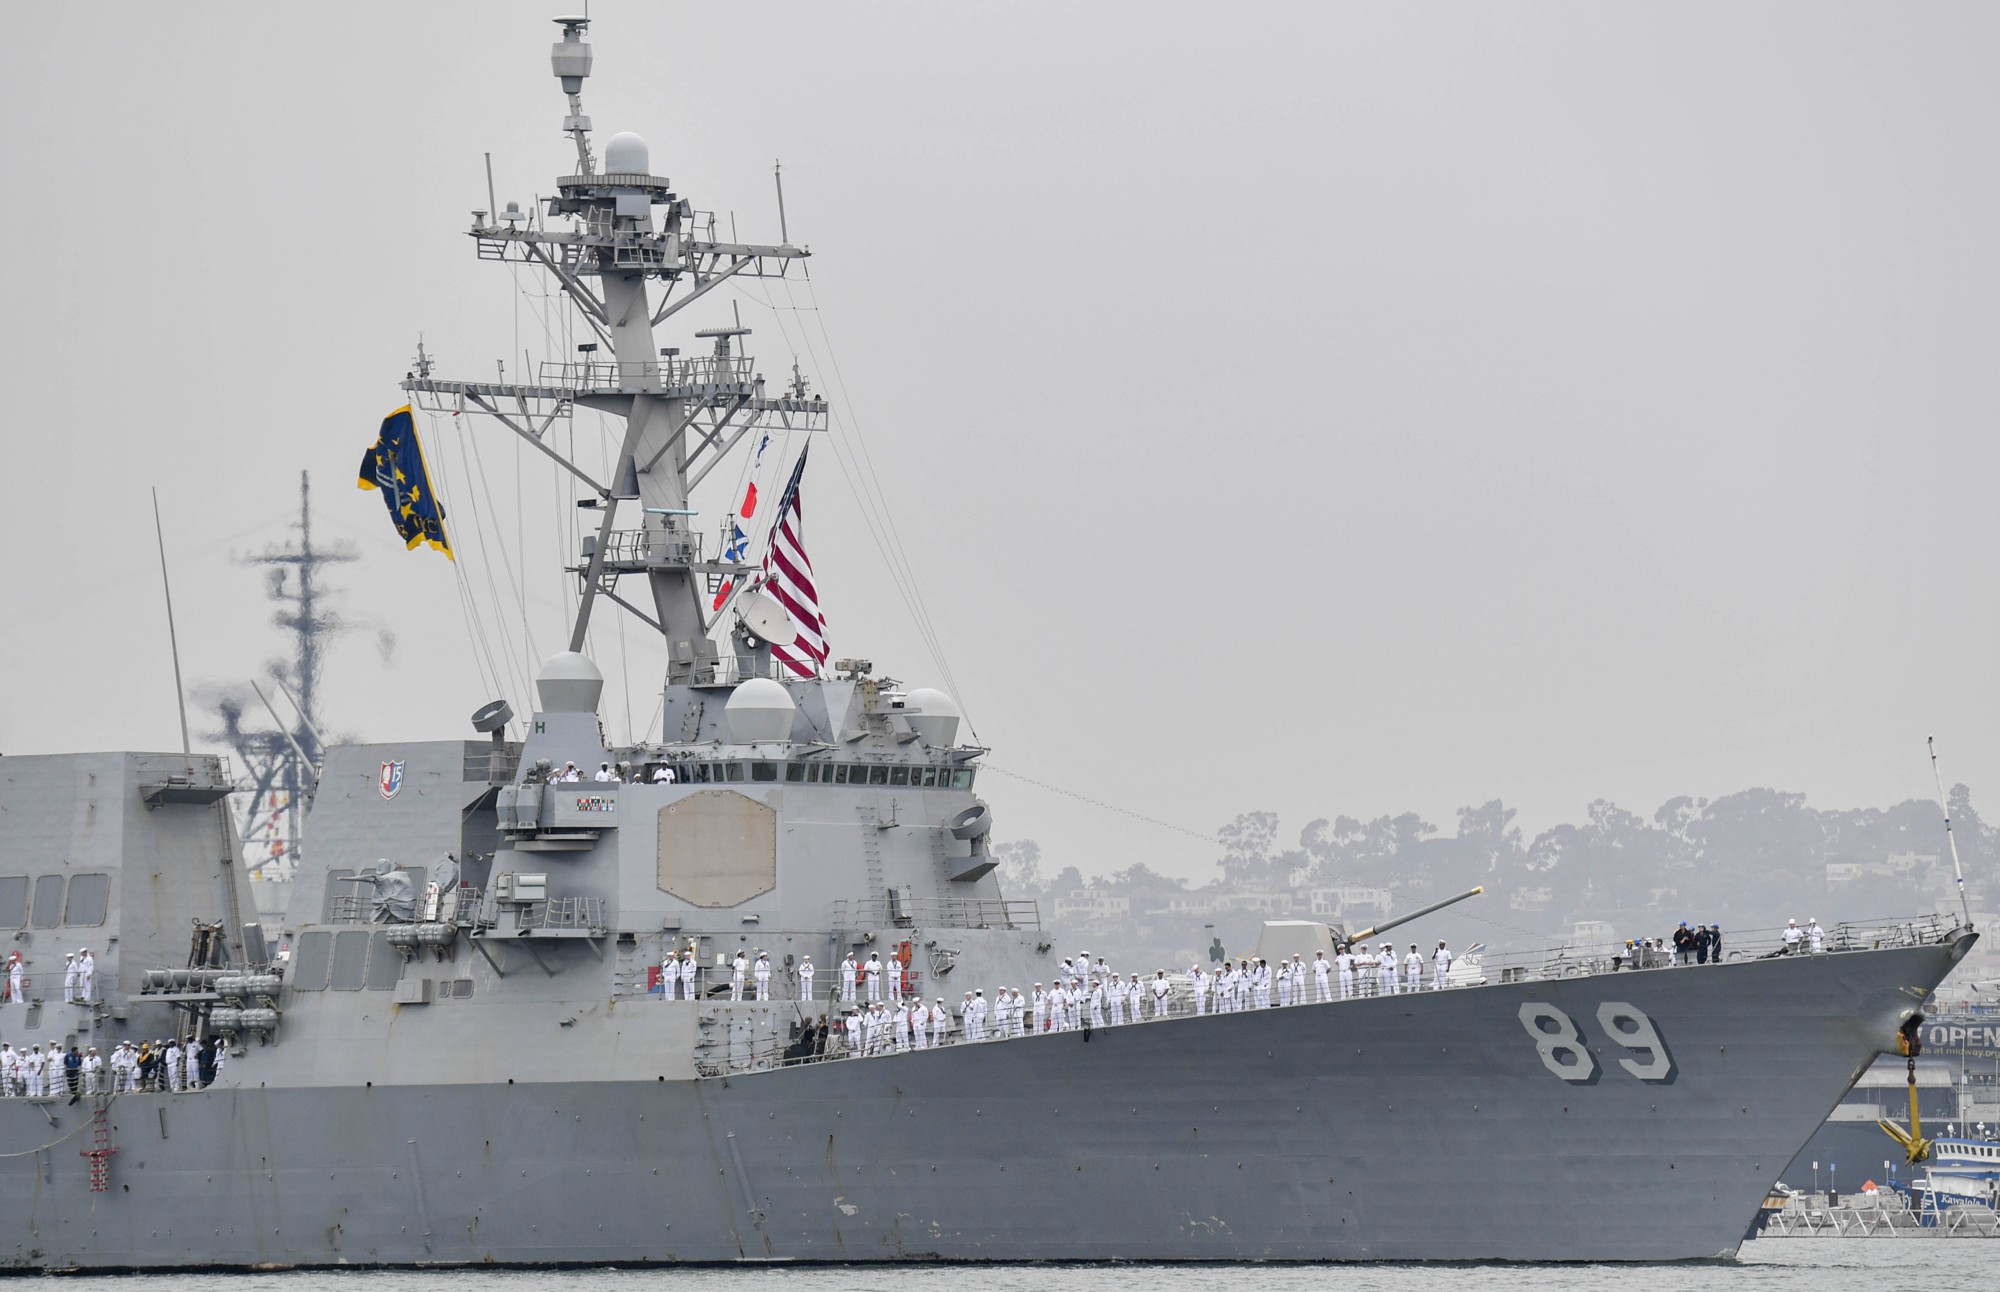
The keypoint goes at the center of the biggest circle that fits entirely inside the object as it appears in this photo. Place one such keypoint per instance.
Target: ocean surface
(1792, 1264)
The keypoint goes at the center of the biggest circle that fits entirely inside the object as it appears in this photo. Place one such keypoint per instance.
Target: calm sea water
(1791, 1264)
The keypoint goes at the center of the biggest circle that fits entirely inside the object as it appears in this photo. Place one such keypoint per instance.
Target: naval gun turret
(1340, 937)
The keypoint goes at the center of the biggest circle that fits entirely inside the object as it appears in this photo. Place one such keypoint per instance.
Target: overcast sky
(1314, 408)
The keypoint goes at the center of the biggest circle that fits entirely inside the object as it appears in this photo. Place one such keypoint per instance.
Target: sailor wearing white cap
(940, 1022)
(805, 977)
(1385, 969)
(1815, 936)
(1440, 966)
(69, 977)
(738, 968)
(762, 973)
(1792, 936)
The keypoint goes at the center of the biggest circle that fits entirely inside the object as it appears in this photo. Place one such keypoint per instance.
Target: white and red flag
(788, 576)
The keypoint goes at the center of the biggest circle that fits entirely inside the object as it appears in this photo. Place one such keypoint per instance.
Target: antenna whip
(1957, 871)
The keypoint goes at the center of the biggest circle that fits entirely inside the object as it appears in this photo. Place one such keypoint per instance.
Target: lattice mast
(283, 759)
(608, 236)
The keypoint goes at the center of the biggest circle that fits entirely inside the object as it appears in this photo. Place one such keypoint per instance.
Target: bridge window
(878, 775)
(763, 771)
(48, 901)
(89, 899)
(899, 775)
(962, 779)
(795, 773)
(13, 901)
(735, 771)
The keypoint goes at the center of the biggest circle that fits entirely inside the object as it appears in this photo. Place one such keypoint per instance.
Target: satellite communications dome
(759, 710)
(569, 683)
(627, 154)
(933, 715)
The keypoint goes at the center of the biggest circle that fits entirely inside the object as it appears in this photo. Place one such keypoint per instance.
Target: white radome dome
(569, 683)
(627, 154)
(759, 710)
(933, 715)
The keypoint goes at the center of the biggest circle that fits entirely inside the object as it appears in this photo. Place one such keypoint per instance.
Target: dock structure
(1886, 1214)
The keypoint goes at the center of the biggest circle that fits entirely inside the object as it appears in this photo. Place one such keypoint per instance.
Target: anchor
(1910, 1043)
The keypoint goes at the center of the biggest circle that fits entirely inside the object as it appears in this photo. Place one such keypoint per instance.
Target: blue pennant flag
(738, 542)
(395, 465)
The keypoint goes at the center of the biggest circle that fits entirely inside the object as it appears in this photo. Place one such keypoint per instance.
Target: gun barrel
(1415, 915)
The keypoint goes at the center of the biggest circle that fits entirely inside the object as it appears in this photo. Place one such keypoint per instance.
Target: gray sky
(1315, 408)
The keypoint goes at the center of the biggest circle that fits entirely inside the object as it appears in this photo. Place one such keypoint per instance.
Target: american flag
(788, 576)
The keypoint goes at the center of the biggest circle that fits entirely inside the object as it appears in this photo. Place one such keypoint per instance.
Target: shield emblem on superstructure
(391, 779)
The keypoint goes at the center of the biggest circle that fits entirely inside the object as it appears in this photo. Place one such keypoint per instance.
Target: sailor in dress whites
(920, 1024)
(761, 972)
(899, 1020)
(69, 977)
(1163, 993)
(1198, 984)
(1343, 963)
(1413, 970)
(1792, 936)
(93, 1071)
(848, 970)
(805, 977)
(1385, 969)
(1114, 1000)
(670, 973)
(873, 972)
(31, 1072)
(86, 971)
(16, 970)
(173, 1064)
(690, 966)
(1815, 936)
(1440, 966)
(10, 1072)
(1322, 978)
(739, 968)
(940, 1022)
(1039, 1002)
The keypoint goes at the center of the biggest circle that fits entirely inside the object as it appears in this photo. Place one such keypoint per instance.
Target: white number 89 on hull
(1563, 1051)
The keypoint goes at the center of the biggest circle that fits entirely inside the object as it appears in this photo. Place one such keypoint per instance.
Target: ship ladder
(100, 1149)
(1910, 1041)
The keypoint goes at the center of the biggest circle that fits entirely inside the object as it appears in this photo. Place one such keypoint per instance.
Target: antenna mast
(1957, 871)
(173, 638)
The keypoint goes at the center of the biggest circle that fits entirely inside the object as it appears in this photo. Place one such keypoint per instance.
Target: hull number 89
(1564, 1053)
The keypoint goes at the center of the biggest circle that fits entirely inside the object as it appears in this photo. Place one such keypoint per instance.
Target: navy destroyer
(534, 1019)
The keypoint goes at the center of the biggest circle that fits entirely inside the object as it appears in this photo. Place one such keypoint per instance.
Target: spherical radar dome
(569, 683)
(933, 715)
(627, 154)
(759, 710)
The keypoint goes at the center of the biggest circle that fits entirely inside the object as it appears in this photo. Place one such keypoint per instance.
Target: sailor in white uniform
(69, 977)
(663, 775)
(1385, 969)
(1440, 966)
(1039, 1001)
(1114, 1001)
(1199, 984)
(739, 968)
(1322, 978)
(670, 973)
(16, 969)
(873, 971)
(899, 1019)
(848, 969)
(1163, 992)
(920, 1024)
(940, 1023)
(86, 970)
(690, 966)
(761, 973)
(1413, 970)
(805, 978)
(1815, 936)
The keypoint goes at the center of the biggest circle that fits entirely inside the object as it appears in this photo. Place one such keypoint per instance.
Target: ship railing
(585, 914)
(865, 914)
(1572, 960)
(674, 373)
(650, 547)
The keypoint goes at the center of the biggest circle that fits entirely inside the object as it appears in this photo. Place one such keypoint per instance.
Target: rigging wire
(926, 625)
(870, 508)
(990, 766)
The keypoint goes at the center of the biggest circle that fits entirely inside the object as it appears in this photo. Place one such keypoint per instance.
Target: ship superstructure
(468, 1056)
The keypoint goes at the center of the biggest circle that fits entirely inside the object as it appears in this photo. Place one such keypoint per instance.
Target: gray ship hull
(1412, 1127)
